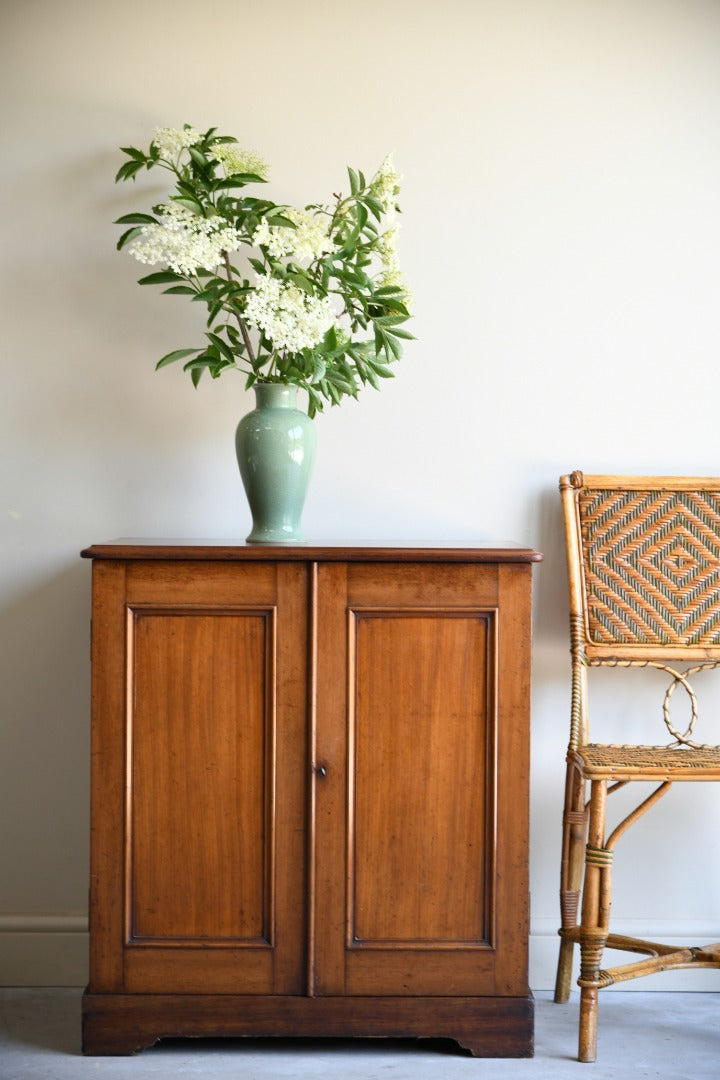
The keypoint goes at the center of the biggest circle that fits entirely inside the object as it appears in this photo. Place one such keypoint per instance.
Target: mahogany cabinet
(309, 793)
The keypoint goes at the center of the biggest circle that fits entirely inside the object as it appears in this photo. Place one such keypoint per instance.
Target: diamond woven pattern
(652, 566)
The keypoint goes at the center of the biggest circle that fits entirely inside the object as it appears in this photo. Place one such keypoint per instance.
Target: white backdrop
(561, 235)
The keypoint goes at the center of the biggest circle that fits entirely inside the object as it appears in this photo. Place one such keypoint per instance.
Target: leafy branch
(327, 307)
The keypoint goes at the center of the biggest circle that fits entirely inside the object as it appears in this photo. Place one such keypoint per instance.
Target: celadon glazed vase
(275, 446)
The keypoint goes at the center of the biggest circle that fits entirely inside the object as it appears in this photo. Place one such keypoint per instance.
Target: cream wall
(561, 234)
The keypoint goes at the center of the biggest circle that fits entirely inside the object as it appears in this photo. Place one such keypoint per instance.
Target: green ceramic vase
(275, 446)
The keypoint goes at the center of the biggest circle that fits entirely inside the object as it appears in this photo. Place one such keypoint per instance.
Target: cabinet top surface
(325, 551)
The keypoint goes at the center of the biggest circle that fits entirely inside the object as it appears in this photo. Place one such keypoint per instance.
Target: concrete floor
(670, 1036)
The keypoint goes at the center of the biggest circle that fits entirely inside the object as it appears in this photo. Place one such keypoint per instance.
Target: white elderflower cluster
(292, 319)
(172, 141)
(308, 240)
(236, 160)
(184, 241)
(387, 250)
(390, 260)
(385, 185)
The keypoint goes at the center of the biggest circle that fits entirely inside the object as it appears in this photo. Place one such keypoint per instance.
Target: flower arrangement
(317, 300)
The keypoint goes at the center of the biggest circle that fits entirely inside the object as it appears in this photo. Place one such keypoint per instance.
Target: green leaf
(201, 361)
(330, 341)
(222, 346)
(381, 369)
(320, 367)
(136, 219)
(180, 290)
(280, 219)
(213, 311)
(177, 354)
(392, 345)
(315, 402)
(302, 282)
(240, 179)
(132, 152)
(128, 170)
(129, 234)
(199, 158)
(229, 182)
(354, 181)
(368, 375)
(189, 204)
(391, 305)
(162, 277)
(196, 375)
(375, 206)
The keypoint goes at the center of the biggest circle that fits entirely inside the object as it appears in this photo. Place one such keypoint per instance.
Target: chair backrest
(644, 565)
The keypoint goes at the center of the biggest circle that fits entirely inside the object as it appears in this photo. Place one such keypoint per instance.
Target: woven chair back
(644, 555)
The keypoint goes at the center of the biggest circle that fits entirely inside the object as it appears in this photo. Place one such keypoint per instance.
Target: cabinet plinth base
(123, 1024)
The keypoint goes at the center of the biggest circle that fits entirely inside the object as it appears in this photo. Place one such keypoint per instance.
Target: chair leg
(573, 850)
(595, 921)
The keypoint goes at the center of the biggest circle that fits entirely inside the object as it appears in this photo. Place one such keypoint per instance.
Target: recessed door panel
(201, 760)
(419, 838)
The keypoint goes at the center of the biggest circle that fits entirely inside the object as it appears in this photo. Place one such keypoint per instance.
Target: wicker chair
(644, 575)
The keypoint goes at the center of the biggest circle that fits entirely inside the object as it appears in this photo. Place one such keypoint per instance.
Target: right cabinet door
(419, 845)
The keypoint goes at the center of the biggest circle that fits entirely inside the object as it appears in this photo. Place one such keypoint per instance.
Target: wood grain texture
(201, 768)
(419, 843)
(107, 788)
(199, 701)
(408, 707)
(131, 549)
(486, 1026)
(310, 794)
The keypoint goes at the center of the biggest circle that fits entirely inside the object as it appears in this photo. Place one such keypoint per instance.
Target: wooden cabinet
(309, 793)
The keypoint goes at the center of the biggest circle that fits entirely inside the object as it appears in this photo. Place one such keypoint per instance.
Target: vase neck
(275, 396)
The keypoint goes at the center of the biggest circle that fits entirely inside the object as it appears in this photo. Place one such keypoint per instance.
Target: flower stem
(241, 321)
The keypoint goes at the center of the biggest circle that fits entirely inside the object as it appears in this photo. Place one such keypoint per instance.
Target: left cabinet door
(199, 781)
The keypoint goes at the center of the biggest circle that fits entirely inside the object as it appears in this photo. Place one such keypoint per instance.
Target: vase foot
(256, 537)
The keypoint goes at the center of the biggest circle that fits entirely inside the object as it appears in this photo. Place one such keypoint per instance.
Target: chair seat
(601, 761)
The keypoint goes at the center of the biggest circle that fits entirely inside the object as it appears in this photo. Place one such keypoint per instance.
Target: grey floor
(672, 1036)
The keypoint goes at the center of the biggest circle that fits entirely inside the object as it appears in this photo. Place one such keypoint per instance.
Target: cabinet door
(421, 761)
(199, 785)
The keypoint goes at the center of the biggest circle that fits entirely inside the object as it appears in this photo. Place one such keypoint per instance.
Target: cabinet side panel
(420, 845)
(199, 805)
(108, 777)
(513, 766)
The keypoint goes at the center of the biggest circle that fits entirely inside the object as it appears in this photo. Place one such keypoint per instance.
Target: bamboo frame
(588, 850)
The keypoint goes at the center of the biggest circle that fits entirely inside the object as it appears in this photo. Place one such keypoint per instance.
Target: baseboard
(544, 943)
(52, 950)
(43, 950)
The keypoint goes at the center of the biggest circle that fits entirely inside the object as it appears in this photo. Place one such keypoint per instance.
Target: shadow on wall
(551, 593)
(44, 769)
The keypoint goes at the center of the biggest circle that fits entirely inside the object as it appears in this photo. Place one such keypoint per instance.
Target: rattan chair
(644, 574)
